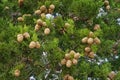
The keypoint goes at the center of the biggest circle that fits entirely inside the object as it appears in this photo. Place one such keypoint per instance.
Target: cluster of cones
(34, 44)
(89, 40)
(40, 24)
(26, 35)
(21, 18)
(70, 59)
(43, 10)
(107, 4)
(20, 37)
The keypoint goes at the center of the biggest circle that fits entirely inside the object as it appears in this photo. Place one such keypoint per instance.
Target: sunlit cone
(91, 54)
(52, 6)
(84, 40)
(40, 22)
(97, 40)
(68, 63)
(37, 44)
(96, 27)
(63, 61)
(32, 44)
(77, 56)
(67, 56)
(37, 27)
(90, 41)
(91, 34)
(26, 35)
(87, 49)
(72, 53)
(37, 12)
(20, 19)
(20, 37)
(47, 31)
(74, 61)
(106, 2)
(43, 8)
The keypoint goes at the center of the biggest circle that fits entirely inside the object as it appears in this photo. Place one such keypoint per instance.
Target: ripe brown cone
(44, 24)
(47, 31)
(108, 7)
(97, 40)
(72, 53)
(37, 27)
(77, 55)
(74, 61)
(40, 22)
(32, 44)
(106, 2)
(66, 77)
(84, 40)
(63, 61)
(87, 49)
(91, 55)
(37, 12)
(52, 7)
(90, 41)
(43, 8)
(50, 11)
(67, 56)
(96, 27)
(37, 44)
(20, 19)
(19, 37)
(91, 34)
(26, 35)
(43, 15)
(68, 63)
(17, 72)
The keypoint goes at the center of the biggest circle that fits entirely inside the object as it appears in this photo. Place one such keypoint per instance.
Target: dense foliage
(73, 20)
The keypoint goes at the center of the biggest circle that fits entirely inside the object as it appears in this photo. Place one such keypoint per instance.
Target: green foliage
(64, 7)
(99, 33)
(105, 47)
(84, 32)
(49, 45)
(84, 68)
(94, 48)
(59, 22)
(70, 29)
(102, 71)
(113, 30)
(89, 11)
(15, 55)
